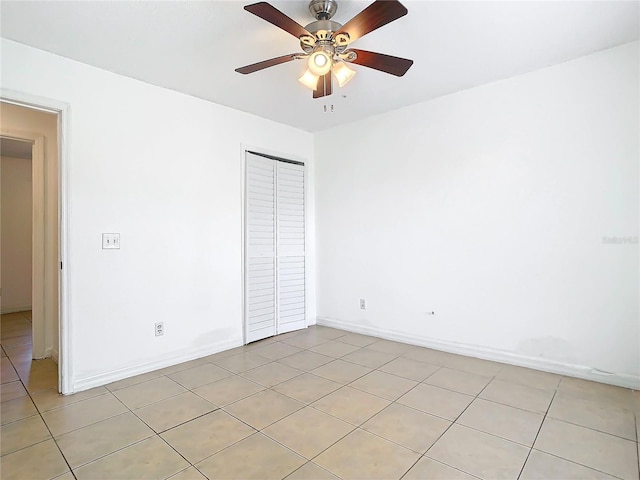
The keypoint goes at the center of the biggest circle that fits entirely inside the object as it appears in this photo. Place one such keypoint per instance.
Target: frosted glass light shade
(343, 73)
(308, 79)
(319, 63)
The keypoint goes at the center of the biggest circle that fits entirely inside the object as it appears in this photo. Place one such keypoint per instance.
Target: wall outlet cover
(110, 241)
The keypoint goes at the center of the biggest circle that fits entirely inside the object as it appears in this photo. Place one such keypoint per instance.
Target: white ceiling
(194, 46)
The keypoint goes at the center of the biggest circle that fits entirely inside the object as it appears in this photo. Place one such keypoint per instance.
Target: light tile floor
(314, 404)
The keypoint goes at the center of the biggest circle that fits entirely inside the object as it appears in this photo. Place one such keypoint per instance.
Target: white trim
(39, 266)
(546, 365)
(131, 371)
(63, 110)
(23, 308)
(243, 233)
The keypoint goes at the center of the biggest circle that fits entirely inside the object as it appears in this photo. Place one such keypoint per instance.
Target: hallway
(19, 370)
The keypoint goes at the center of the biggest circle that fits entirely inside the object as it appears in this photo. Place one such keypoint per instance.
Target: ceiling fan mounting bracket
(323, 9)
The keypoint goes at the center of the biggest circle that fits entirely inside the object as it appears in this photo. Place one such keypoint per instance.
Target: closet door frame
(276, 156)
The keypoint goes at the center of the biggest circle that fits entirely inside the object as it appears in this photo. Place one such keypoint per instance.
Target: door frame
(62, 111)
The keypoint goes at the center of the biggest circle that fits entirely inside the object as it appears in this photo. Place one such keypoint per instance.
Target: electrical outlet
(110, 241)
(159, 329)
(363, 304)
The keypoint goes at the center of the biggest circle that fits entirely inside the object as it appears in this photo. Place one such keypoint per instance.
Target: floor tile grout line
(154, 433)
(101, 456)
(454, 422)
(307, 462)
(310, 405)
(319, 453)
(19, 419)
(24, 448)
(590, 428)
(425, 456)
(222, 449)
(451, 466)
(256, 432)
(41, 392)
(392, 402)
(88, 424)
(537, 434)
(511, 382)
(328, 447)
(349, 385)
(361, 427)
(154, 402)
(179, 424)
(495, 435)
(49, 430)
(575, 463)
(412, 465)
(29, 394)
(175, 450)
(266, 426)
(173, 475)
(538, 412)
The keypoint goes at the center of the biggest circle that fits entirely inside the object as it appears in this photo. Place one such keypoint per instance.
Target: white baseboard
(48, 353)
(105, 378)
(546, 365)
(22, 308)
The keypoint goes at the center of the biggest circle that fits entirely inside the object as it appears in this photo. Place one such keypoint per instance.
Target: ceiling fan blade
(276, 17)
(324, 86)
(379, 61)
(254, 67)
(376, 15)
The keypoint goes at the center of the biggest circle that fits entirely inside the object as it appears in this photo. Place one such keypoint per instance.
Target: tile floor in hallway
(314, 404)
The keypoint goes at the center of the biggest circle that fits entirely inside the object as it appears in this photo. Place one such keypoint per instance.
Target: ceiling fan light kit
(324, 43)
(342, 73)
(320, 62)
(308, 79)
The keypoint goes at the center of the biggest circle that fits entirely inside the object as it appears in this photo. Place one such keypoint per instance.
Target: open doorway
(30, 246)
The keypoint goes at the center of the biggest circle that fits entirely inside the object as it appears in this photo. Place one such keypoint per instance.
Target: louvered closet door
(260, 277)
(290, 273)
(275, 244)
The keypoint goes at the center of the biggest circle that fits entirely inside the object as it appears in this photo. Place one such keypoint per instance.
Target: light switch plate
(110, 241)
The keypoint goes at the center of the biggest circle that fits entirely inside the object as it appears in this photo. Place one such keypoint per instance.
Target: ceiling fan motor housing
(323, 31)
(323, 9)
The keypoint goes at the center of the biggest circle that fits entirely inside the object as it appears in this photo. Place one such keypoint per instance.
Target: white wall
(165, 171)
(16, 203)
(489, 207)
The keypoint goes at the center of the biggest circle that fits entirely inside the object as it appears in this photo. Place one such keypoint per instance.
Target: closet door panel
(260, 265)
(290, 223)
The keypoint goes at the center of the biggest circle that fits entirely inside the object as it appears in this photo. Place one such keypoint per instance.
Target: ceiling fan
(325, 43)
